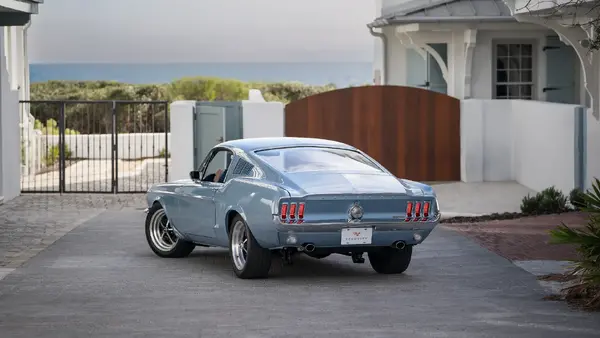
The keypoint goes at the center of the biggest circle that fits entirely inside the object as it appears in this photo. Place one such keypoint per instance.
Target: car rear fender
(257, 209)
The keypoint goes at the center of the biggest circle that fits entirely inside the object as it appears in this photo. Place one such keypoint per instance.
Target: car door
(197, 204)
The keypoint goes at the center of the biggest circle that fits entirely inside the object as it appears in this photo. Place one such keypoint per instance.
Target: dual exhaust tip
(399, 245)
(309, 247)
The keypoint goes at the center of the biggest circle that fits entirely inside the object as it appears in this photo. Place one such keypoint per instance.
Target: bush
(53, 155)
(163, 152)
(547, 201)
(587, 241)
(96, 118)
(577, 198)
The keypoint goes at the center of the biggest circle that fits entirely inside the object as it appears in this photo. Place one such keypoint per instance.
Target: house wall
(9, 129)
(482, 77)
(531, 142)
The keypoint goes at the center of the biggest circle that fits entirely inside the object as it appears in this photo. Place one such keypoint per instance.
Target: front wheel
(249, 259)
(391, 260)
(161, 237)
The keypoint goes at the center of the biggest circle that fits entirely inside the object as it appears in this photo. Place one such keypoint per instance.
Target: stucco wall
(531, 142)
(482, 64)
(9, 131)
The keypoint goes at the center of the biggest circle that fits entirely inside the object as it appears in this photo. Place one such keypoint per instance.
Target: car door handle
(178, 190)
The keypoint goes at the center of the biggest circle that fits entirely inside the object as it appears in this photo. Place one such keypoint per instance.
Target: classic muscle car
(286, 195)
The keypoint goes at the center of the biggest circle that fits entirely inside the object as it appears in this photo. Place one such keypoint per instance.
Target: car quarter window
(300, 159)
(218, 164)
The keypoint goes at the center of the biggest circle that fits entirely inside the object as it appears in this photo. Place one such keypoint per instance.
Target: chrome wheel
(161, 232)
(239, 245)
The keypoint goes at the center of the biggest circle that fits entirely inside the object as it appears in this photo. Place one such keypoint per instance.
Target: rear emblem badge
(355, 213)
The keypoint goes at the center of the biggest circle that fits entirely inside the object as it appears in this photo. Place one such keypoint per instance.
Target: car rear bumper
(329, 235)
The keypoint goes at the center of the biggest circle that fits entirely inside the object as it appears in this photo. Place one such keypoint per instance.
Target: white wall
(130, 146)
(592, 149)
(9, 131)
(528, 141)
(182, 139)
(263, 119)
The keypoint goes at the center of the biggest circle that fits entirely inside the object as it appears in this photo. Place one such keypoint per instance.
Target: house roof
(420, 11)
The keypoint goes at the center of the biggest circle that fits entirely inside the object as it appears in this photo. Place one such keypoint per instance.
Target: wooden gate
(413, 132)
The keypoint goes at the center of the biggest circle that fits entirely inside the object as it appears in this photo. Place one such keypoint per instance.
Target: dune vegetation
(193, 88)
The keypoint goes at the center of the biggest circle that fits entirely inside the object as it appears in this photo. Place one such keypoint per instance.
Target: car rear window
(301, 159)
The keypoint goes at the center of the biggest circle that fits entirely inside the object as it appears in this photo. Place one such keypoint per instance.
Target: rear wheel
(391, 260)
(249, 259)
(162, 238)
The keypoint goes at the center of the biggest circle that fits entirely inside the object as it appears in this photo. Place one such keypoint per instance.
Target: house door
(426, 73)
(561, 63)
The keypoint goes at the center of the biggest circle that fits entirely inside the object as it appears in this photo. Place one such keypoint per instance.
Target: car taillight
(284, 210)
(292, 212)
(426, 207)
(300, 212)
(418, 211)
(409, 208)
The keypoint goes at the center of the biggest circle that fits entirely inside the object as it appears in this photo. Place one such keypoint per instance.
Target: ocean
(342, 74)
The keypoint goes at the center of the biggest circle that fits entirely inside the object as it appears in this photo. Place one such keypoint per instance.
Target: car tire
(391, 260)
(161, 238)
(249, 260)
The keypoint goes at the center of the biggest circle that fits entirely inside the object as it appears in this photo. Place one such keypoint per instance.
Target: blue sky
(201, 31)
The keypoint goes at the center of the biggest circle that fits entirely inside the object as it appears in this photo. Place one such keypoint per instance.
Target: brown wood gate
(413, 132)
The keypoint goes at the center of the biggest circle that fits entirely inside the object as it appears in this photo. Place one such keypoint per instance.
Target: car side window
(216, 170)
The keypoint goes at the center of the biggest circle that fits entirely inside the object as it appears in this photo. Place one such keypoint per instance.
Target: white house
(14, 85)
(525, 77)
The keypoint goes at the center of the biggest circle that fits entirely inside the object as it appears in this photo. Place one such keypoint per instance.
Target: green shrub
(587, 242)
(547, 201)
(577, 198)
(531, 204)
(53, 154)
(162, 153)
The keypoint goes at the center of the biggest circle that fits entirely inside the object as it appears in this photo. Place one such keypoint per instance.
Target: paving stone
(32, 222)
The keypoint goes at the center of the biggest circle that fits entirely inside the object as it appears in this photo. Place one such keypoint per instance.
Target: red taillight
(292, 211)
(284, 209)
(426, 209)
(409, 207)
(301, 211)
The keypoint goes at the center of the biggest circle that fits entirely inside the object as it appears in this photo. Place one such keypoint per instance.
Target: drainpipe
(384, 41)
(26, 121)
(26, 62)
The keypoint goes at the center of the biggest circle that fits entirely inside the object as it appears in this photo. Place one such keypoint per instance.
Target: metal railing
(93, 146)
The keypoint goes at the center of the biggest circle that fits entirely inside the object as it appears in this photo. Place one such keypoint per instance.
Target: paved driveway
(101, 280)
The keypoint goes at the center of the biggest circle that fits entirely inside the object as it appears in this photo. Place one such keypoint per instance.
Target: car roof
(253, 144)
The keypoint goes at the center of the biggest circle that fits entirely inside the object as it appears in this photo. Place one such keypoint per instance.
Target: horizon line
(182, 63)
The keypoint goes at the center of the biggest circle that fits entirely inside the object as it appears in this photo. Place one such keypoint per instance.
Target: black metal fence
(93, 146)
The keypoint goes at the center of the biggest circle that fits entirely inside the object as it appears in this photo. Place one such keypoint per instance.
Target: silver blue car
(265, 196)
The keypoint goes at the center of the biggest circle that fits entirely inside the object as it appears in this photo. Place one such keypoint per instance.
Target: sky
(201, 31)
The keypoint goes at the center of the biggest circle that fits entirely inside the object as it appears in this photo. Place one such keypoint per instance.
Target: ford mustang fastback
(264, 196)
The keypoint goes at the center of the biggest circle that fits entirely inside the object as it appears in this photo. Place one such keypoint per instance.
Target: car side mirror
(195, 175)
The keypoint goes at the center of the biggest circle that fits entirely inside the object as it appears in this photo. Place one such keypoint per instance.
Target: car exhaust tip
(399, 245)
(309, 247)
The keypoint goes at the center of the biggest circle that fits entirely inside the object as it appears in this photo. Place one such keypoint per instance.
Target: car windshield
(301, 159)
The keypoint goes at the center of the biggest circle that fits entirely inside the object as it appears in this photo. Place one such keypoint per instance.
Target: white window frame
(534, 59)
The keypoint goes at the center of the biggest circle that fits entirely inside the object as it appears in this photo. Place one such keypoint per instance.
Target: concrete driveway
(472, 199)
(102, 280)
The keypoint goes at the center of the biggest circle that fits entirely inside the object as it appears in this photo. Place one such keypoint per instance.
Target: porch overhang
(20, 6)
(447, 11)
